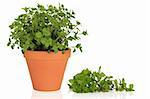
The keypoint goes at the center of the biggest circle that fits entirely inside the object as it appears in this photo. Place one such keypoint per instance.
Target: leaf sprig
(88, 81)
(48, 28)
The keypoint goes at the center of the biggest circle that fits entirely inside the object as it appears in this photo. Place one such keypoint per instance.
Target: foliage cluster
(48, 28)
(88, 81)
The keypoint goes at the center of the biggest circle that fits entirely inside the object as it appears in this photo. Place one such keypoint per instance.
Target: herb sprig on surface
(88, 81)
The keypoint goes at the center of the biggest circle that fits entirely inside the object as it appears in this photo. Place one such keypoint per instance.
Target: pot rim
(44, 55)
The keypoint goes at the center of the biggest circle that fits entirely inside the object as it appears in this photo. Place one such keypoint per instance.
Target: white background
(119, 40)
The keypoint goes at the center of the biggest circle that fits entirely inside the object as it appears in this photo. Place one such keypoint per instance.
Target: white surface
(119, 40)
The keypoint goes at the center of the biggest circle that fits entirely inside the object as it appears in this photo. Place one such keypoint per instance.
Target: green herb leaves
(48, 28)
(88, 81)
(46, 32)
(38, 35)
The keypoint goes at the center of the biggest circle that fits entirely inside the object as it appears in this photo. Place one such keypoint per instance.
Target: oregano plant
(49, 28)
(97, 81)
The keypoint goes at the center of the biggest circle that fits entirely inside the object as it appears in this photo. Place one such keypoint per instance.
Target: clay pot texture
(46, 69)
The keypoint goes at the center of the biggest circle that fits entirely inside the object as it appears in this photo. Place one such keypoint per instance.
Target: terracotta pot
(46, 69)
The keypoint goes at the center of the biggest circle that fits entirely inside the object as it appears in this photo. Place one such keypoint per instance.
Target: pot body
(46, 69)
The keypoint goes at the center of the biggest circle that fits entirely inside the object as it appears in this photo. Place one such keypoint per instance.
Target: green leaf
(50, 41)
(74, 50)
(41, 7)
(46, 32)
(84, 33)
(25, 9)
(70, 38)
(46, 42)
(43, 40)
(49, 51)
(55, 48)
(131, 87)
(78, 23)
(12, 46)
(38, 35)
(86, 72)
(78, 45)
(116, 84)
(81, 49)
(73, 12)
(99, 70)
(8, 44)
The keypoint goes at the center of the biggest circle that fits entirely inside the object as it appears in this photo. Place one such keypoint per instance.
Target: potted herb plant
(44, 34)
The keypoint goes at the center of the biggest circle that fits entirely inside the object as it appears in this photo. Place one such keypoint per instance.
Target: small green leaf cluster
(48, 28)
(88, 81)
